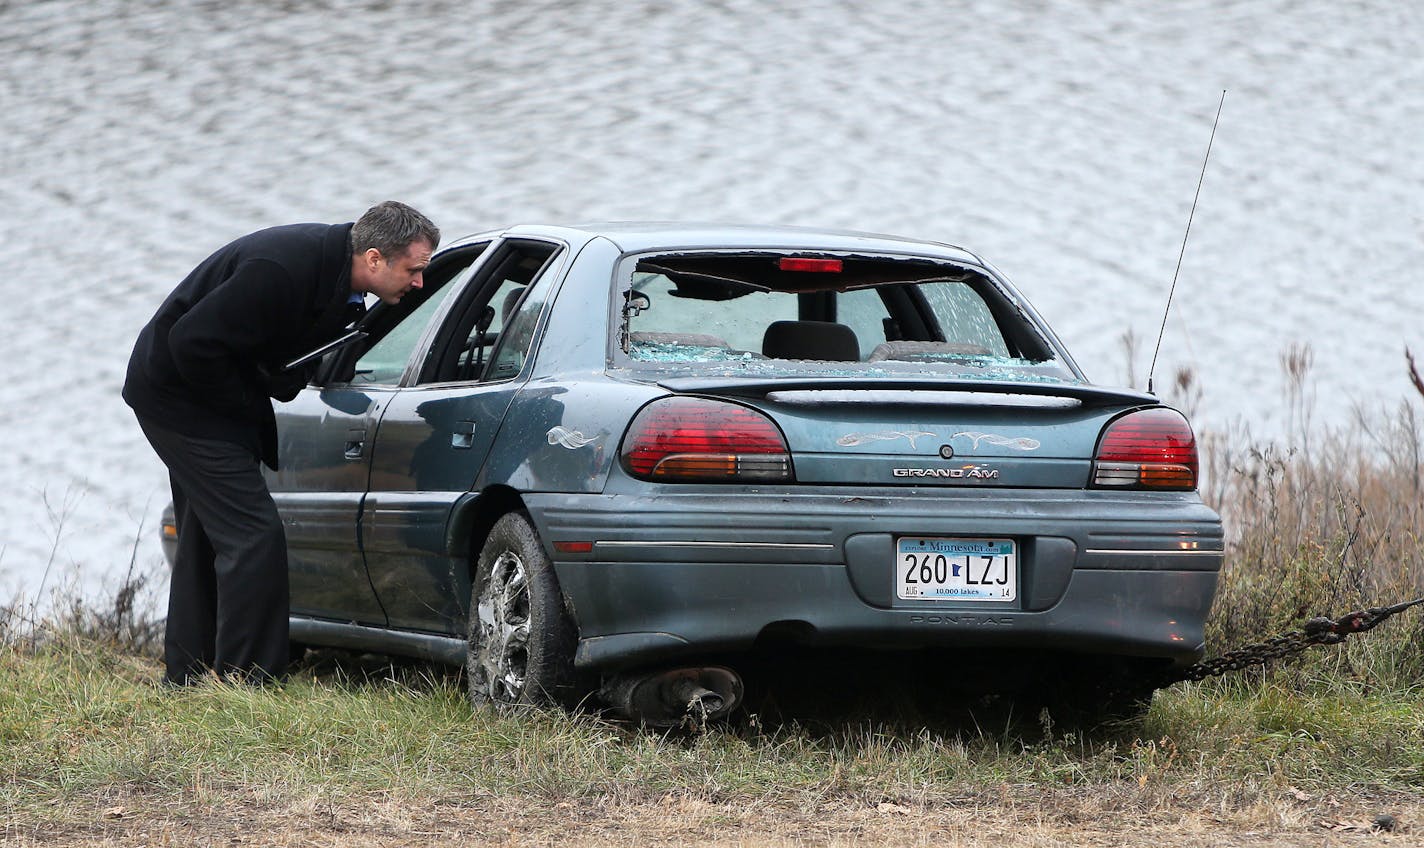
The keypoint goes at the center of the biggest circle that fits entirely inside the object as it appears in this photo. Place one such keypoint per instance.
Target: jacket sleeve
(218, 344)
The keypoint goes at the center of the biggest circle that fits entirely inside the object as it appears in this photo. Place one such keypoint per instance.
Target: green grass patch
(81, 723)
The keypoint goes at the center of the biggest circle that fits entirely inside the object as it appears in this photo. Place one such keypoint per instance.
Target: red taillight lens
(697, 440)
(1148, 449)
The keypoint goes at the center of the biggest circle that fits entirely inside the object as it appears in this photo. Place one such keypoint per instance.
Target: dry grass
(1330, 523)
(1009, 816)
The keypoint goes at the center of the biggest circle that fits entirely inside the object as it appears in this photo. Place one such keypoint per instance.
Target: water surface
(1061, 140)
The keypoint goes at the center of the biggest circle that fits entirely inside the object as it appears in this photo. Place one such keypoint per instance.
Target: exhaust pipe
(691, 696)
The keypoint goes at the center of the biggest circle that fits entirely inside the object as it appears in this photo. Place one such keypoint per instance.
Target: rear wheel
(521, 639)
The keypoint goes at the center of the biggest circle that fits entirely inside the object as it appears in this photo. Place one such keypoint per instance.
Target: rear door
(436, 433)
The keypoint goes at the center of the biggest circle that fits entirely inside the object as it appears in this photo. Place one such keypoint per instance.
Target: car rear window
(853, 314)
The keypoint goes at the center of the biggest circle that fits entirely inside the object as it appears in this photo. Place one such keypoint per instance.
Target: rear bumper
(706, 571)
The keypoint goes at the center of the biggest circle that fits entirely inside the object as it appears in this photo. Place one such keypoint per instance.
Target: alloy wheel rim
(504, 628)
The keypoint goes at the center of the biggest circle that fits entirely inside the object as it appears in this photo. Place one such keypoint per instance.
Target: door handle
(355, 442)
(464, 435)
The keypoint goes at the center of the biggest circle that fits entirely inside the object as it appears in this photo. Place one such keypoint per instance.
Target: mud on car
(612, 461)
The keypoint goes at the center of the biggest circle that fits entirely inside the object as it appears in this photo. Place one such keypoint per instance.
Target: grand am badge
(968, 472)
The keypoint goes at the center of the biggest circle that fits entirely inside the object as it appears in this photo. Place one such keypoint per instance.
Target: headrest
(822, 340)
(510, 299)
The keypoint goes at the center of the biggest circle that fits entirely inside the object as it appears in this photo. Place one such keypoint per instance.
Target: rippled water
(1061, 140)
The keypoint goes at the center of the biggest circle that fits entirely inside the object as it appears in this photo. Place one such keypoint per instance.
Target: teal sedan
(612, 461)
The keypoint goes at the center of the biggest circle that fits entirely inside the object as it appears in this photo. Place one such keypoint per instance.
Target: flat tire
(521, 637)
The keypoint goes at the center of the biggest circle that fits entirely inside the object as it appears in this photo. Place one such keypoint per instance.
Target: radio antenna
(1173, 290)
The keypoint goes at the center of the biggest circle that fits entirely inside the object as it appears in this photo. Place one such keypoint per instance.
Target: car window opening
(860, 314)
(484, 336)
(487, 335)
(394, 330)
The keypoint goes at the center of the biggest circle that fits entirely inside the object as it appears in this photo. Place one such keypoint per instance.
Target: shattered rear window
(751, 313)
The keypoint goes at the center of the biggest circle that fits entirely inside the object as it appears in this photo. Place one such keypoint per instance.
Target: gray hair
(392, 227)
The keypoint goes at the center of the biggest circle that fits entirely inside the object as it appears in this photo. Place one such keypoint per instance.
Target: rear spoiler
(761, 386)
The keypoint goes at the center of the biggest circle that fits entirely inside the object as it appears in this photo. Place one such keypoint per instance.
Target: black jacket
(199, 365)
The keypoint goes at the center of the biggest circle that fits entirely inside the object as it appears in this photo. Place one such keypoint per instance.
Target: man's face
(389, 278)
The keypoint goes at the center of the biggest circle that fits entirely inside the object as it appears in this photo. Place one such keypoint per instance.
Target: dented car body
(617, 458)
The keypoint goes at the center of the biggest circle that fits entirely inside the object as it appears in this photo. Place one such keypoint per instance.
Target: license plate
(943, 569)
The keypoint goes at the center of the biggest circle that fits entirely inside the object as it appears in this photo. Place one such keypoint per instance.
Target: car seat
(820, 340)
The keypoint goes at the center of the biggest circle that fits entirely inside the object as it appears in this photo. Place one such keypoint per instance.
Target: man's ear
(374, 259)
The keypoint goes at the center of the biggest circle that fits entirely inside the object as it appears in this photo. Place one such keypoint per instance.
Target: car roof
(640, 236)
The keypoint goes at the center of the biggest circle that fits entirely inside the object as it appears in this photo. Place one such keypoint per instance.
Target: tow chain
(1316, 631)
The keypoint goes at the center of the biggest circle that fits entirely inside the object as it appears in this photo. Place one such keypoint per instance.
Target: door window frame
(344, 360)
(477, 293)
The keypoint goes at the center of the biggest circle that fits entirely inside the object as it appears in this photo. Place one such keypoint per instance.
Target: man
(199, 381)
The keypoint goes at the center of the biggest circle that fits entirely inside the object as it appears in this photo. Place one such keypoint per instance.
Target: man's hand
(284, 385)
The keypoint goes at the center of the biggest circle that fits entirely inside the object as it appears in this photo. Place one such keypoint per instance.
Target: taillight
(1147, 449)
(682, 439)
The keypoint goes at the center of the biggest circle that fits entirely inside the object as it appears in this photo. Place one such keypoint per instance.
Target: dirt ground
(1014, 816)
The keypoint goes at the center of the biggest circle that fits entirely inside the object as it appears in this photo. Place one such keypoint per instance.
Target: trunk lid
(943, 433)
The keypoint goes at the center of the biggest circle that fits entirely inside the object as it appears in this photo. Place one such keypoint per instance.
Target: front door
(325, 460)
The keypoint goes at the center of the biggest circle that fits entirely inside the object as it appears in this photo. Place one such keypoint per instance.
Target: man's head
(390, 247)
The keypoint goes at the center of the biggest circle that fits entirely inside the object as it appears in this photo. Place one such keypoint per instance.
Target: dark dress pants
(228, 601)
